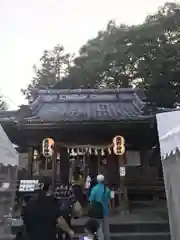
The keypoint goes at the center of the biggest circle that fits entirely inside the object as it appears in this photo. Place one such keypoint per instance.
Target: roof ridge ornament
(83, 90)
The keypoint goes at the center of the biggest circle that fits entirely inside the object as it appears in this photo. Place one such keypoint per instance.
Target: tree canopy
(145, 56)
(54, 65)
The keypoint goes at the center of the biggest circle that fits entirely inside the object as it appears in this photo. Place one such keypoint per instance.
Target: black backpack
(65, 207)
(96, 210)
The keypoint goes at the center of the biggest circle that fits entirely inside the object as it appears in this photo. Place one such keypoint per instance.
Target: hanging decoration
(90, 151)
(73, 152)
(118, 145)
(35, 155)
(48, 147)
(58, 157)
(109, 151)
(102, 152)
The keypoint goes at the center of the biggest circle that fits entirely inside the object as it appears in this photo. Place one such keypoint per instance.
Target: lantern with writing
(48, 147)
(118, 145)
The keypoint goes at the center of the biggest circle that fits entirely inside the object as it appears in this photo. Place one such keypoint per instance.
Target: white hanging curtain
(9, 158)
(8, 154)
(169, 138)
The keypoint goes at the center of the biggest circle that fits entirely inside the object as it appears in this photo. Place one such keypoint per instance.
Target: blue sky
(28, 27)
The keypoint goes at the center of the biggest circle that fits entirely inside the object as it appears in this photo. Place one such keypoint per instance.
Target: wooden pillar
(30, 161)
(58, 170)
(143, 159)
(93, 166)
(64, 166)
(98, 163)
(86, 163)
(124, 200)
(113, 170)
(54, 170)
(113, 177)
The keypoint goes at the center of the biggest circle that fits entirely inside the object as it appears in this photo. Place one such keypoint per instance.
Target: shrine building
(83, 123)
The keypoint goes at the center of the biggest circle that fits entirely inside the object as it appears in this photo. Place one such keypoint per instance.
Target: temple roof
(86, 105)
(81, 105)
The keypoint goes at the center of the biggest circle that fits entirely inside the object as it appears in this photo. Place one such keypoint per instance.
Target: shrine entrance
(89, 160)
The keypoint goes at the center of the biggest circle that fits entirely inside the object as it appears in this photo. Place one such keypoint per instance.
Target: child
(91, 228)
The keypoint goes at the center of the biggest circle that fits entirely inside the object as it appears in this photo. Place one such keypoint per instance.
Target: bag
(96, 210)
(77, 209)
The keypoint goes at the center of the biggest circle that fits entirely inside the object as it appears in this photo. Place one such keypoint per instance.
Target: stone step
(124, 236)
(140, 227)
(140, 236)
(134, 236)
(134, 227)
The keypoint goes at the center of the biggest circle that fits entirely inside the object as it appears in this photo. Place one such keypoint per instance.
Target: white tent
(9, 159)
(169, 138)
(8, 154)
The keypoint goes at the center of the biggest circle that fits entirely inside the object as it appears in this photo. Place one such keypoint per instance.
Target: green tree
(145, 56)
(156, 48)
(102, 62)
(54, 65)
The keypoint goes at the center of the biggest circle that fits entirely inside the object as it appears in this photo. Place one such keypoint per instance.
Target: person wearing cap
(101, 193)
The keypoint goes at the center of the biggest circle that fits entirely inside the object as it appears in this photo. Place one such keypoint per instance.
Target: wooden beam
(54, 171)
(30, 161)
(64, 166)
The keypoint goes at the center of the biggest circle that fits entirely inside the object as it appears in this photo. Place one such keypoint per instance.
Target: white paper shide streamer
(73, 152)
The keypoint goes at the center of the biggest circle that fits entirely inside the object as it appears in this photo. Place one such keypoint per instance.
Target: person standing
(78, 177)
(101, 194)
(78, 191)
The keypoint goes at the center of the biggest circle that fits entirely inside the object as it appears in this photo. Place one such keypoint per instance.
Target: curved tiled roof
(82, 105)
(87, 105)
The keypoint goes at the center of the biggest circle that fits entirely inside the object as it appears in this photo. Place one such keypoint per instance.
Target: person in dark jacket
(42, 216)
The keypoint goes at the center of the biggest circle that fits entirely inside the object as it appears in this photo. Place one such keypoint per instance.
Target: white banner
(9, 155)
(168, 125)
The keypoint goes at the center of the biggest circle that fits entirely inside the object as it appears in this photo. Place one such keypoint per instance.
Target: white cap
(100, 178)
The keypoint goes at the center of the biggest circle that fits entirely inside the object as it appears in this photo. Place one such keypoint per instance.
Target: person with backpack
(99, 201)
